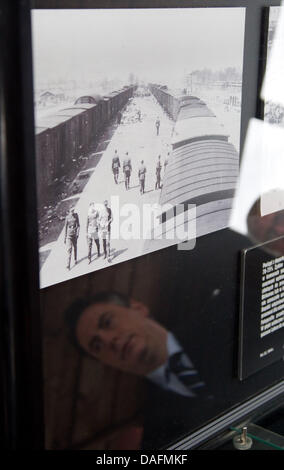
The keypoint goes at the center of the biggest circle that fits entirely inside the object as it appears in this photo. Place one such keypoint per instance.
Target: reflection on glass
(120, 333)
(267, 228)
(263, 439)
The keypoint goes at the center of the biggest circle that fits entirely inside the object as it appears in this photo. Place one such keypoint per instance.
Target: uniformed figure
(158, 125)
(115, 166)
(158, 173)
(92, 230)
(141, 175)
(127, 169)
(105, 221)
(72, 228)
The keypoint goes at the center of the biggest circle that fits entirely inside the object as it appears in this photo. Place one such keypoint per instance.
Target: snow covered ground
(140, 140)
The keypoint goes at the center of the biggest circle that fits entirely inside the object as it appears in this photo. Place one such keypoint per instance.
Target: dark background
(52, 397)
(251, 343)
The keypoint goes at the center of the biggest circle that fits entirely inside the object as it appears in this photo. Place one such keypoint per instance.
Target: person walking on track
(158, 173)
(158, 125)
(127, 169)
(105, 221)
(115, 166)
(92, 230)
(141, 175)
(72, 229)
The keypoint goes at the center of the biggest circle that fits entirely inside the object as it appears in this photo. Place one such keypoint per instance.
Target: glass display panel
(139, 333)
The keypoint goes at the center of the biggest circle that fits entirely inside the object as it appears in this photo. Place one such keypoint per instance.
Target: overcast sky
(155, 44)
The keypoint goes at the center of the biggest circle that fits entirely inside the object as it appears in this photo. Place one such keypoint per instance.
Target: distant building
(50, 97)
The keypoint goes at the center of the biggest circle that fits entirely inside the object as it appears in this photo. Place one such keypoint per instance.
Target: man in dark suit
(200, 310)
(121, 333)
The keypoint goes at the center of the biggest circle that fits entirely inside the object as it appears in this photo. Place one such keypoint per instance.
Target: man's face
(123, 337)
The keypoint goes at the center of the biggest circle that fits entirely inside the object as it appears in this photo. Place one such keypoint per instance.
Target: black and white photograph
(273, 111)
(137, 131)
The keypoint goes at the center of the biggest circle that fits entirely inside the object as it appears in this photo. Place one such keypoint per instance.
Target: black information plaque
(261, 338)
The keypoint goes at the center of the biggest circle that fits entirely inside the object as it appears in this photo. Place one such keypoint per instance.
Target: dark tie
(186, 374)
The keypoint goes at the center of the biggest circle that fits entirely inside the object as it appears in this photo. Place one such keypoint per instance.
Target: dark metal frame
(21, 390)
(250, 410)
(20, 313)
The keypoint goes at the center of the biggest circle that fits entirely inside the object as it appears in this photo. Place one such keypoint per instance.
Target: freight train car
(89, 122)
(56, 142)
(167, 99)
(203, 166)
(98, 109)
(63, 138)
